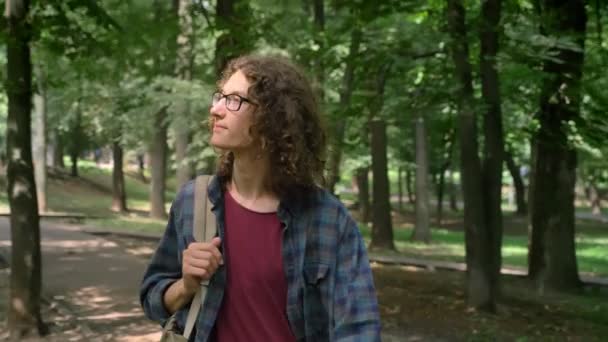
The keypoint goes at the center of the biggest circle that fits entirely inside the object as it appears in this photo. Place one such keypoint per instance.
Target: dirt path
(90, 284)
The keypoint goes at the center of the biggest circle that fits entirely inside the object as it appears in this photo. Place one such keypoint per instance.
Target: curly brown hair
(287, 122)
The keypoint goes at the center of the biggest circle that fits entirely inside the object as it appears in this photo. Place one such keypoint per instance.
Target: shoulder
(329, 211)
(184, 197)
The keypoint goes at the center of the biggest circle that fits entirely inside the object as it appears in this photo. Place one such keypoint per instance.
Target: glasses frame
(229, 100)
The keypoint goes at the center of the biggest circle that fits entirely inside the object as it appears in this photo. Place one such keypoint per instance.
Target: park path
(91, 281)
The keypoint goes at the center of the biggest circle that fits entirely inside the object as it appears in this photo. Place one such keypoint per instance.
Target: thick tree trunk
(518, 184)
(361, 175)
(493, 138)
(119, 193)
(335, 157)
(552, 255)
(158, 166)
(184, 72)
(480, 291)
(382, 227)
(39, 142)
(422, 231)
(25, 279)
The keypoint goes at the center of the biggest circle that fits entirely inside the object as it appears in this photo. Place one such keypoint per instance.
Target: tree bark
(382, 227)
(422, 230)
(361, 175)
(184, 72)
(158, 166)
(480, 293)
(493, 138)
(518, 184)
(25, 279)
(340, 124)
(39, 141)
(119, 193)
(552, 255)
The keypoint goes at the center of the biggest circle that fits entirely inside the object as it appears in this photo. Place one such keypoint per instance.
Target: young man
(289, 263)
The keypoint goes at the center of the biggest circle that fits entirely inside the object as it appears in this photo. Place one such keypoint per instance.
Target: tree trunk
(480, 293)
(382, 227)
(361, 175)
(340, 125)
(141, 167)
(441, 182)
(400, 187)
(453, 192)
(440, 192)
(234, 41)
(422, 230)
(25, 278)
(39, 142)
(595, 199)
(57, 151)
(119, 193)
(552, 255)
(184, 72)
(74, 159)
(408, 186)
(493, 139)
(318, 65)
(158, 166)
(518, 184)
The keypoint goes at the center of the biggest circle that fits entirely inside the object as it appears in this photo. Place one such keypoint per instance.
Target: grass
(91, 194)
(448, 245)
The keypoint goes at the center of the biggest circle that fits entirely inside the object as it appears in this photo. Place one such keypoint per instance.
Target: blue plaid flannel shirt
(330, 292)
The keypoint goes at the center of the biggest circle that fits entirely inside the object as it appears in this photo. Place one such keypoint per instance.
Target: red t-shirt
(253, 308)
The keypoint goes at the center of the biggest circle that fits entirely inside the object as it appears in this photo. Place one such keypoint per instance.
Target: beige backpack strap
(204, 229)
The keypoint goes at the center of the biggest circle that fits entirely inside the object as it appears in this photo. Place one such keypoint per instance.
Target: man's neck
(249, 183)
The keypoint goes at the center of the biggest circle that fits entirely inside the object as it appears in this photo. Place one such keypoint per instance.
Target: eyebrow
(241, 94)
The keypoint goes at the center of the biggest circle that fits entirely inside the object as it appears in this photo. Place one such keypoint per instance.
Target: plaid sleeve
(162, 271)
(356, 316)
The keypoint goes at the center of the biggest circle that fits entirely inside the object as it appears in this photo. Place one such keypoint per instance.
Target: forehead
(236, 84)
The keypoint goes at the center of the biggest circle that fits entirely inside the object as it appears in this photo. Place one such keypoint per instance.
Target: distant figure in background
(289, 263)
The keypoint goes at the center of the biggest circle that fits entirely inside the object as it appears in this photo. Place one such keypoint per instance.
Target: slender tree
(422, 231)
(183, 70)
(39, 141)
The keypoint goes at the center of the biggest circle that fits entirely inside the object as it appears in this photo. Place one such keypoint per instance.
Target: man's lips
(216, 126)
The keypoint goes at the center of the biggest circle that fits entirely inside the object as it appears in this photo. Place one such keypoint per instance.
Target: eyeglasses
(233, 101)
